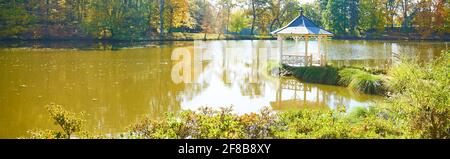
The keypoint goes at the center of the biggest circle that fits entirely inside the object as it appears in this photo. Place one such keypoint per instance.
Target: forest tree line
(141, 19)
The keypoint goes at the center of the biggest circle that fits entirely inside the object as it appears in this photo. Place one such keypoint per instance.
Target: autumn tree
(391, 10)
(161, 19)
(335, 16)
(252, 8)
(176, 14)
(353, 15)
(201, 11)
(227, 6)
(14, 19)
(290, 9)
(441, 16)
(430, 17)
(373, 18)
(312, 12)
(238, 22)
(423, 21)
(408, 10)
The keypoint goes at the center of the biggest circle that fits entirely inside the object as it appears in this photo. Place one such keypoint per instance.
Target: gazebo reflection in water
(293, 94)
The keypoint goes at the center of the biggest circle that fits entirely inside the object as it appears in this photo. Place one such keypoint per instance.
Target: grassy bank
(396, 35)
(354, 78)
(202, 36)
(322, 75)
(114, 44)
(176, 36)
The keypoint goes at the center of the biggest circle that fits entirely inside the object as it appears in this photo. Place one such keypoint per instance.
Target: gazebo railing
(297, 60)
(292, 84)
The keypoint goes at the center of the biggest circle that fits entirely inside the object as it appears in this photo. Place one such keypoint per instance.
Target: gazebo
(302, 28)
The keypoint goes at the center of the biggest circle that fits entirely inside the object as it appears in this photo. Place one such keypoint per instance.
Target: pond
(117, 87)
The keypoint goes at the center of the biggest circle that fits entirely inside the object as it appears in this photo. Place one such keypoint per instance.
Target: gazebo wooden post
(318, 50)
(325, 60)
(307, 62)
(280, 49)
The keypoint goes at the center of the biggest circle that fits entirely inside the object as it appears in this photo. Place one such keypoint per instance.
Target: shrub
(400, 76)
(421, 97)
(69, 122)
(328, 124)
(212, 124)
(46, 134)
(206, 124)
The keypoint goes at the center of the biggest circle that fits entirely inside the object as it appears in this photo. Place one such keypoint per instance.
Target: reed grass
(314, 74)
(361, 81)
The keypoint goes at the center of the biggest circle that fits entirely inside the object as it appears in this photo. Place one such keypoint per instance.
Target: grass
(202, 36)
(357, 79)
(361, 81)
(314, 74)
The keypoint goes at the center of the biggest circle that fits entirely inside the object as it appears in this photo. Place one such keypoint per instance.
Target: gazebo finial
(301, 11)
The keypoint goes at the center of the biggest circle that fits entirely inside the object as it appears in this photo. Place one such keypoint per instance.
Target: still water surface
(118, 87)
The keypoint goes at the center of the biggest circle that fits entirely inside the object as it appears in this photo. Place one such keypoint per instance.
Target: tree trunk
(171, 20)
(161, 19)
(228, 18)
(405, 14)
(273, 23)
(217, 17)
(254, 17)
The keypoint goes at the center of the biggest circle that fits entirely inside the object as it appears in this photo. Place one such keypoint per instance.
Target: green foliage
(420, 97)
(238, 22)
(206, 123)
(14, 20)
(333, 124)
(372, 17)
(119, 20)
(46, 134)
(141, 19)
(201, 12)
(401, 75)
(312, 11)
(211, 124)
(361, 81)
(336, 17)
(70, 123)
(323, 75)
(346, 76)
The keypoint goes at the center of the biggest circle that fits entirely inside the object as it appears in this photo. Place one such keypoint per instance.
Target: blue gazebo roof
(302, 26)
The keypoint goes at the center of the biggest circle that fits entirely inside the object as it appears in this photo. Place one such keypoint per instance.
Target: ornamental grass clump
(361, 81)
